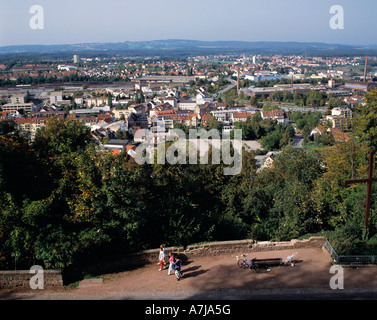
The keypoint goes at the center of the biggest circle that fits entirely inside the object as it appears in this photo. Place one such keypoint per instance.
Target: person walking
(161, 258)
(171, 263)
(177, 268)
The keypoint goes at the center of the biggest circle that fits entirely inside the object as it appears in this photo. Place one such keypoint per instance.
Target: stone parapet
(246, 246)
(21, 278)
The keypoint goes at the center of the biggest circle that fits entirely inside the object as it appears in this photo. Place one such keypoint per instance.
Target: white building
(202, 98)
(19, 98)
(116, 144)
(56, 97)
(339, 117)
(258, 76)
(171, 100)
(342, 111)
(20, 102)
(331, 83)
(278, 115)
(62, 67)
(187, 104)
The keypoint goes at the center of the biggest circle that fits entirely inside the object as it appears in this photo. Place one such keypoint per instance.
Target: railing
(364, 259)
(332, 252)
(352, 259)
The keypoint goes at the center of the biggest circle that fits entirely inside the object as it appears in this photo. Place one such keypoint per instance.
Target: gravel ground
(218, 278)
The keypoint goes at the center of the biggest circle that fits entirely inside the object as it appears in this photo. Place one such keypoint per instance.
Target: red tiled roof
(29, 120)
(181, 117)
(4, 113)
(165, 113)
(206, 117)
(273, 113)
(339, 134)
(130, 146)
(241, 115)
(115, 152)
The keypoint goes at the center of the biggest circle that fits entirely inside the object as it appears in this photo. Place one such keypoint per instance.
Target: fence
(331, 250)
(354, 259)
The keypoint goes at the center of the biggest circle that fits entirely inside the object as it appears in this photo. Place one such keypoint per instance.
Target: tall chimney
(365, 70)
(238, 78)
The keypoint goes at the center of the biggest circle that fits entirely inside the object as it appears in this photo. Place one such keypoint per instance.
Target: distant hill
(190, 47)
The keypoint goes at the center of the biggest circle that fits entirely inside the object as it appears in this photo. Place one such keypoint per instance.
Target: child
(161, 258)
(177, 268)
(171, 263)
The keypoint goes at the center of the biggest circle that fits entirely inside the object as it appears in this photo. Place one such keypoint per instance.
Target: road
(297, 141)
(302, 109)
(230, 86)
(223, 295)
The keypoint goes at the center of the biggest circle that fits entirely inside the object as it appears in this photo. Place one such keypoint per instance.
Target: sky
(86, 21)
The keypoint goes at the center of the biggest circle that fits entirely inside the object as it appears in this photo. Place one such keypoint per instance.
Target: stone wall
(246, 246)
(226, 248)
(21, 278)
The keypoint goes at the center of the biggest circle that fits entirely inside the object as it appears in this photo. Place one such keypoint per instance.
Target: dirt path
(217, 275)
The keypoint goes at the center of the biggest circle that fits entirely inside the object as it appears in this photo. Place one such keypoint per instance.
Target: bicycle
(244, 263)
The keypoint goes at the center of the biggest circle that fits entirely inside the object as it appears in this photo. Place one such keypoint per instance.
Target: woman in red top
(171, 263)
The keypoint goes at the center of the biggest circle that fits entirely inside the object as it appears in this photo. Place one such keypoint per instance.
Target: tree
(281, 136)
(285, 140)
(292, 212)
(342, 161)
(296, 97)
(277, 95)
(315, 98)
(110, 100)
(365, 124)
(253, 101)
(119, 134)
(40, 226)
(334, 102)
(142, 98)
(310, 119)
(283, 195)
(215, 124)
(8, 128)
(60, 137)
(18, 164)
(271, 141)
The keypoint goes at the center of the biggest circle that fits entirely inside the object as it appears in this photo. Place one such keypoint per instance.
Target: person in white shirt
(161, 258)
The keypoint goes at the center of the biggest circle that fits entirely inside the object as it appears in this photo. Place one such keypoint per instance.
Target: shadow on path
(193, 272)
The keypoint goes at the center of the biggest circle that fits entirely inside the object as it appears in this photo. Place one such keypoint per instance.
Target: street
(297, 141)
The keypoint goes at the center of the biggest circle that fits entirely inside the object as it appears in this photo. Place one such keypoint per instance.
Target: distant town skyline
(87, 21)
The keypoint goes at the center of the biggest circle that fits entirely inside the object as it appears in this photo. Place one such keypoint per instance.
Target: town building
(340, 117)
(186, 103)
(278, 115)
(360, 86)
(22, 104)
